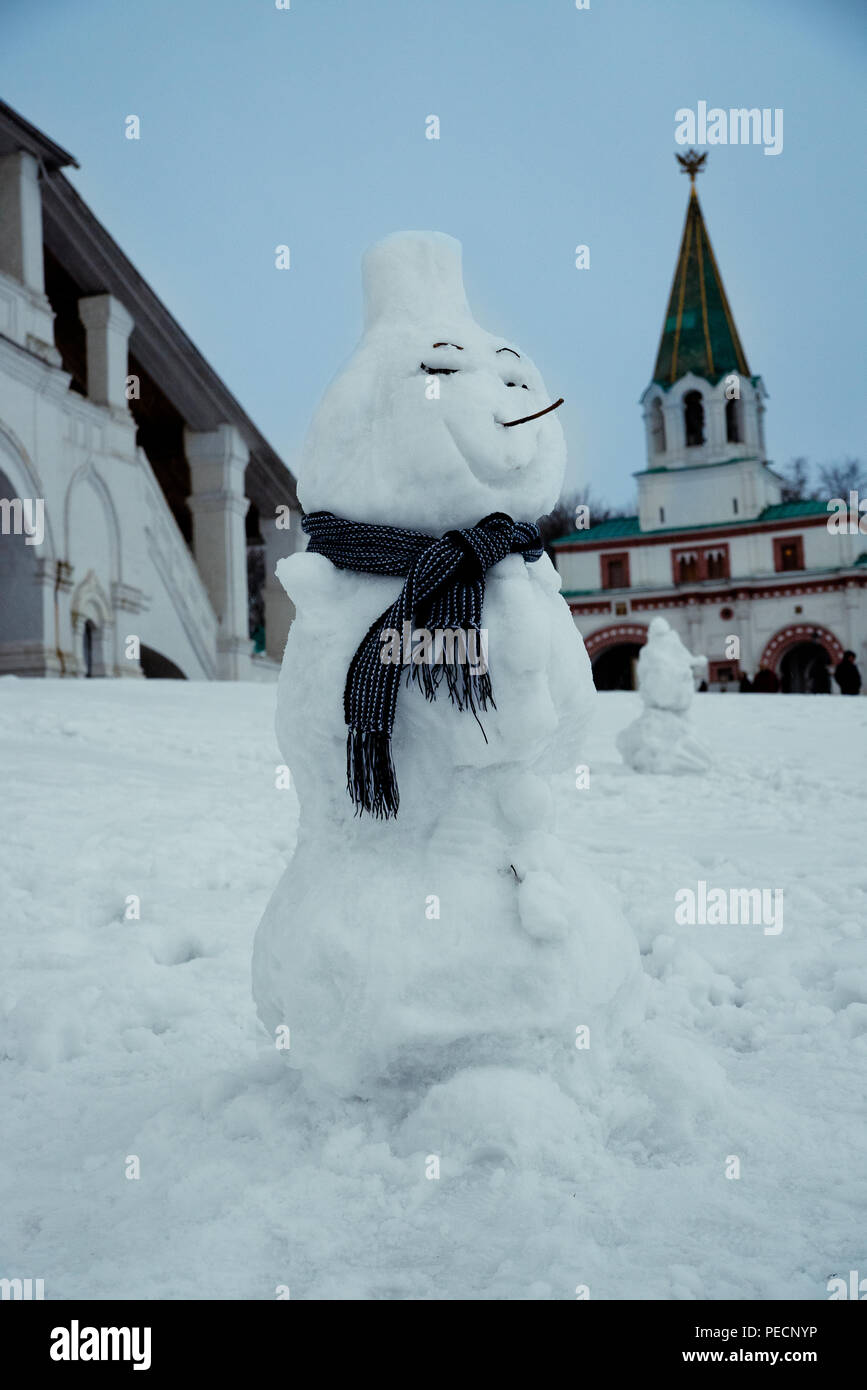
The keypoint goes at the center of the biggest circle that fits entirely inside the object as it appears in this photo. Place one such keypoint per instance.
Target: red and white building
(713, 547)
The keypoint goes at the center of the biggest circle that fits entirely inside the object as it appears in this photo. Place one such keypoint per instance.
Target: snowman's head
(420, 428)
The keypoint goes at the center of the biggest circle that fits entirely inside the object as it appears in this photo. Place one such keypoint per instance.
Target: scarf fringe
(466, 689)
(370, 775)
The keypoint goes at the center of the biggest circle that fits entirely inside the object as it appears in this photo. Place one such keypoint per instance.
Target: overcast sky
(306, 127)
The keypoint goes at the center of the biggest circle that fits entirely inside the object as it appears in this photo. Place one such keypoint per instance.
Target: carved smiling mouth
(507, 424)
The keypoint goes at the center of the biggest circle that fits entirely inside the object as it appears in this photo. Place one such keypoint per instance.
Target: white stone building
(152, 479)
(713, 548)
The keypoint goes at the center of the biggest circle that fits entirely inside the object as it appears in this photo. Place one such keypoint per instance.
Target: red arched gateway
(613, 652)
(793, 636)
(618, 634)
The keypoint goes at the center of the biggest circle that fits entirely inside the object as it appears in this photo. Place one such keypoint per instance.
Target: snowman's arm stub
(307, 578)
(570, 680)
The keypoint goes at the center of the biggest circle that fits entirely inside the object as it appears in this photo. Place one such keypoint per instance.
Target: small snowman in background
(661, 738)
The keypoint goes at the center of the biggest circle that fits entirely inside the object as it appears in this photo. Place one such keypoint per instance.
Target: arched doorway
(614, 668)
(157, 667)
(21, 596)
(804, 670)
(796, 653)
(89, 640)
(91, 649)
(613, 653)
(92, 628)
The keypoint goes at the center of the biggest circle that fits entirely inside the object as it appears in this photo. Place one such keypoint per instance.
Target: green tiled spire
(699, 333)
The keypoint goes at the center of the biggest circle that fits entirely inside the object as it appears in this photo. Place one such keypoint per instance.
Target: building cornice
(697, 534)
(698, 467)
(18, 134)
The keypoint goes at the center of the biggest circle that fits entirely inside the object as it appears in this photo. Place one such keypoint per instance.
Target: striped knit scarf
(444, 588)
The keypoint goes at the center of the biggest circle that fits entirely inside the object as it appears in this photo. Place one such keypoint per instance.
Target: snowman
(661, 739)
(438, 919)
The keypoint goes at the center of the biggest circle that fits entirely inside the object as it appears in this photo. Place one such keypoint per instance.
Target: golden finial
(691, 163)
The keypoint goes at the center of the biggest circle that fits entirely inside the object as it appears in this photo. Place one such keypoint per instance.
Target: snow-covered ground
(124, 1037)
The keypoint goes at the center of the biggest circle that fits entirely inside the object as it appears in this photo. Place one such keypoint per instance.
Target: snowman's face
(487, 391)
(427, 428)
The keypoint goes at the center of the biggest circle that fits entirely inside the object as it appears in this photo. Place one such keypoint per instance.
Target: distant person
(745, 685)
(766, 682)
(702, 687)
(847, 675)
(821, 676)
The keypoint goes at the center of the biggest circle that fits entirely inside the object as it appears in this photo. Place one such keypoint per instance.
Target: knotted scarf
(444, 589)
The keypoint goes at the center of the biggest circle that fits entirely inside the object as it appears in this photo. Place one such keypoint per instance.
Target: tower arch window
(693, 418)
(734, 433)
(657, 427)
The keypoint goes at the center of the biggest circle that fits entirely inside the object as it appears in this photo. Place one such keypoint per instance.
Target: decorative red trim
(779, 542)
(614, 636)
(646, 605)
(757, 591)
(800, 632)
(587, 608)
(746, 528)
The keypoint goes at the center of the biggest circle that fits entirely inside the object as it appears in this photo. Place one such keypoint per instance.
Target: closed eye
(439, 371)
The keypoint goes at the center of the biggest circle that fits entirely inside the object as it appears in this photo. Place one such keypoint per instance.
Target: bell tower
(703, 410)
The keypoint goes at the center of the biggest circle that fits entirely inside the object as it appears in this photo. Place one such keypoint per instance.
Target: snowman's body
(465, 932)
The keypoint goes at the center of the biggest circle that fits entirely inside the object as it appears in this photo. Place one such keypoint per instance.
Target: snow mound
(117, 1040)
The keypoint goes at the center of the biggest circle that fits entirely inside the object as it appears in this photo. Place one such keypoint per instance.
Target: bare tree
(839, 479)
(796, 476)
(563, 520)
(560, 521)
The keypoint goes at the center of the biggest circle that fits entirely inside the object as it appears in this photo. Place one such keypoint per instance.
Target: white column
(280, 540)
(851, 606)
(21, 221)
(63, 634)
(217, 462)
(108, 328)
(760, 424)
(693, 614)
(31, 322)
(742, 626)
(654, 459)
(675, 433)
(715, 425)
